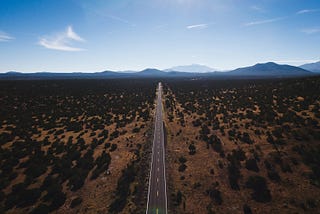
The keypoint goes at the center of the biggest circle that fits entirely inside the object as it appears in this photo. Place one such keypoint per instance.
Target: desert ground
(232, 146)
(75, 146)
(243, 146)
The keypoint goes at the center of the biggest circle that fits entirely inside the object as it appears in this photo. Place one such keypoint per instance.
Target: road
(157, 192)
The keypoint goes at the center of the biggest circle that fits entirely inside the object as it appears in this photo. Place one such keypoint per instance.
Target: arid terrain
(232, 146)
(243, 146)
(75, 146)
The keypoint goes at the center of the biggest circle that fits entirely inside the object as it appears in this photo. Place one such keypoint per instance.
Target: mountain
(194, 68)
(270, 69)
(313, 67)
(150, 72)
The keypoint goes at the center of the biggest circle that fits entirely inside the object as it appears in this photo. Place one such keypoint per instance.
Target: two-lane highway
(157, 192)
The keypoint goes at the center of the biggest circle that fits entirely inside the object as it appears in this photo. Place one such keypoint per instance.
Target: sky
(98, 35)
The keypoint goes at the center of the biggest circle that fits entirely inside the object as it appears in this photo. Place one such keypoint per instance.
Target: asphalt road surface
(157, 192)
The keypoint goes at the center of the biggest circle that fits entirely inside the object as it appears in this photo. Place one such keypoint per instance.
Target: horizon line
(280, 62)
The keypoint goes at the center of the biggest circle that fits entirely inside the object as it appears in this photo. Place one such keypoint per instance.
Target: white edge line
(154, 137)
(164, 162)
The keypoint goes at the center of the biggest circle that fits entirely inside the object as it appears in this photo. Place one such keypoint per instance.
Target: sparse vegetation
(58, 137)
(252, 136)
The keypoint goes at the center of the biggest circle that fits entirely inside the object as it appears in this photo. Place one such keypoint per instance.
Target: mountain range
(313, 67)
(269, 69)
(192, 68)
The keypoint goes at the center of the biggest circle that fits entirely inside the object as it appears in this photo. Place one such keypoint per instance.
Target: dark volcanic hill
(150, 72)
(270, 69)
(313, 67)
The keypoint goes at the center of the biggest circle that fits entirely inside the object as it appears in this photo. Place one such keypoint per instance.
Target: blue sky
(97, 35)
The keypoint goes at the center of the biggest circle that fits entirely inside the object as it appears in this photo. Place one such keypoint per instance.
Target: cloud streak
(114, 18)
(311, 30)
(308, 11)
(4, 37)
(198, 26)
(257, 8)
(62, 41)
(266, 21)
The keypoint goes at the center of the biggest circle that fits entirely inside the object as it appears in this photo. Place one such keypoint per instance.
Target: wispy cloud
(311, 30)
(115, 18)
(265, 21)
(197, 26)
(62, 41)
(4, 37)
(308, 11)
(257, 8)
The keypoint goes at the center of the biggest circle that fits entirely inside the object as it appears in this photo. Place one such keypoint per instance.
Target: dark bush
(273, 175)
(261, 192)
(57, 201)
(113, 147)
(215, 195)
(102, 163)
(251, 164)
(178, 198)
(123, 189)
(182, 159)
(41, 209)
(246, 209)
(182, 167)
(75, 202)
(28, 197)
(233, 176)
(192, 149)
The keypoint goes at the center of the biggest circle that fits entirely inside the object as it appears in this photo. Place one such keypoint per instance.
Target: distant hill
(270, 69)
(313, 67)
(194, 68)
(151, 72)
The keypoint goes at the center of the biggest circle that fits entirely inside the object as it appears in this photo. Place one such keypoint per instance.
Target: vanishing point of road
(157, 192)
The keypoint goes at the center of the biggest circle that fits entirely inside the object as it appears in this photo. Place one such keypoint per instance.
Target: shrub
(182, 167)
(192, 149)
(178, 198)
(28, 197)
(273, 175)
(251, 164)
(182, 159)
(123, 189)
(102, 163)
(57, 201)
(233, 176)
(261, 192)
(136, 130)
(113, 147)
(75, 202)
(42, 208)
(246, 209)
(215, 195)
(246, 138)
